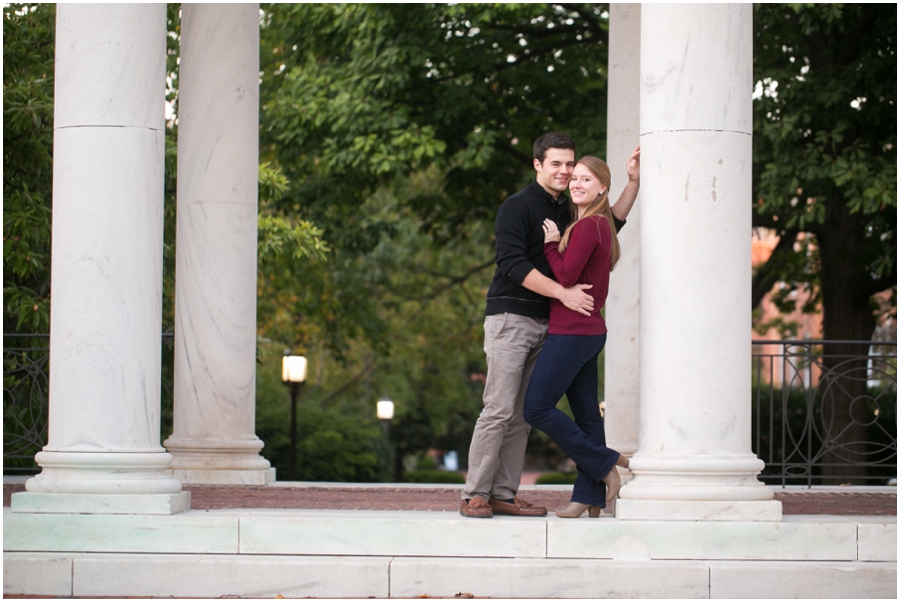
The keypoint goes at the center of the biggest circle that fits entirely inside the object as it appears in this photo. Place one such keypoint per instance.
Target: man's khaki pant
(512, 344)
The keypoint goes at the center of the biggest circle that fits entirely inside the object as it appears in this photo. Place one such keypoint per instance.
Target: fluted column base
(102, 483)
(697, 488)
(219, 461)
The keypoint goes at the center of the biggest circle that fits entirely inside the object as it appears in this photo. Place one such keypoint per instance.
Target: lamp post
(384, 409)
(293, 374)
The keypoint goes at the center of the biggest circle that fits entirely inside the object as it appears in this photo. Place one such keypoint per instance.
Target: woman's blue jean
(568, 364)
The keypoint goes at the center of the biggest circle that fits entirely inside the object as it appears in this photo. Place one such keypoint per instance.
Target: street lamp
(384, 409)
(293, 374)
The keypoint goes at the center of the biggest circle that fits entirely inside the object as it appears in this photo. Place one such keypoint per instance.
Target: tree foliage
(401, 129)
(825, 156)
(403, 319)
(825, 169)
(28, 34)
(358, 99)
(357, 96)
(389, 136)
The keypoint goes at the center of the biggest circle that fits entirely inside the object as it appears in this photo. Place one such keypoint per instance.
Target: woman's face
(584, 186)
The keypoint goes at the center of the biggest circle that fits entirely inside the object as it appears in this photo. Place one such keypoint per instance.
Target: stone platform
(264, 552)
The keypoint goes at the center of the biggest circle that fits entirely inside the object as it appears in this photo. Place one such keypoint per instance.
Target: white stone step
(267, 576)
(393, 533)
(330, 553)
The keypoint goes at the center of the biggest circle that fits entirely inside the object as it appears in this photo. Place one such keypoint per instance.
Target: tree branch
(537, 33)
(519, 156)
(452, 281)
(534, 53)
(590, 20)
(770, 273)
(367, 367)
(883, 283)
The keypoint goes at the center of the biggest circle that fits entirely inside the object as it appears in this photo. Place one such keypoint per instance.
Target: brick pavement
(444, 498)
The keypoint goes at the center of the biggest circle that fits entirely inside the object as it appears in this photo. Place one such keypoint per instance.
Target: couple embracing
(543, 331)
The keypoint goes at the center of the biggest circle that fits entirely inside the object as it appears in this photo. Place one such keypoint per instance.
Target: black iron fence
(824, 412)
(25, 392)
(26, 370)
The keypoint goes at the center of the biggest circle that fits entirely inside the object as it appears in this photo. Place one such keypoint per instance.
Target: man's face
(556, 170)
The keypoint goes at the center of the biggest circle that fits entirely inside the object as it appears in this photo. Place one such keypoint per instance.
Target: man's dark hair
(551, 140)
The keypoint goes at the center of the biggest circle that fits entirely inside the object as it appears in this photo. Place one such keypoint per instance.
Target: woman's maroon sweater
(585, 261)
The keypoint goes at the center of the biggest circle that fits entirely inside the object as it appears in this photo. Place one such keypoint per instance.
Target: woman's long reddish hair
(600, 206)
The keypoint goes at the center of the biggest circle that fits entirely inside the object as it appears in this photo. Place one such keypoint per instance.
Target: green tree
(355, 96)
(28, 52)
(28, 36)
(825, 167)
(401, 130)
(429, 308)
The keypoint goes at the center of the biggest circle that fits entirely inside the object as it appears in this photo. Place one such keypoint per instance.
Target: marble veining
(111, 76)
(107, 276)
(623, 303)
(215, 299)
(690, 79)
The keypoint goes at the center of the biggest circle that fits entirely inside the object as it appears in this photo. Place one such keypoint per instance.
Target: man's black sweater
(520, 249)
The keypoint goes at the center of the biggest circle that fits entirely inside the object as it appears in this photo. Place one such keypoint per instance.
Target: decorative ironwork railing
(26, 370)
(824, 412)
(25, 390)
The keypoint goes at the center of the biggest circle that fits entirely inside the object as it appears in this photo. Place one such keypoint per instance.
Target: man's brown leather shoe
(476, 508)
(519, 507)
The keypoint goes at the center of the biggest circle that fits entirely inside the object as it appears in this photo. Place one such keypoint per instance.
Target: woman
(586, 253)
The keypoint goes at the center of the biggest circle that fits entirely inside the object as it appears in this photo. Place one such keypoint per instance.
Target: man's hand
(634, 165)
(577, 300)
(573, 297)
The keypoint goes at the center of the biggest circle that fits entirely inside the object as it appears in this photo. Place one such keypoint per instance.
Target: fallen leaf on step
(464, 595)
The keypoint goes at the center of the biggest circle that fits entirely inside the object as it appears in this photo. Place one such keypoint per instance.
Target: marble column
(214, 438)
(103, 453)
(622, 380)
(694, 460)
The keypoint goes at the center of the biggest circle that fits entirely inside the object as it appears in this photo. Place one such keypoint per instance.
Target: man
(515, 325)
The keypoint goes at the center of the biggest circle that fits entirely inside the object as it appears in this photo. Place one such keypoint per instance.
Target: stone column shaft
(214, 438)
(623, 305)
(103, 450)
(694, 460)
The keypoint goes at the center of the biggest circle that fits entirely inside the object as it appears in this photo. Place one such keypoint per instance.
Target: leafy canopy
(825, 149)
(28, 52)
(356, 96)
